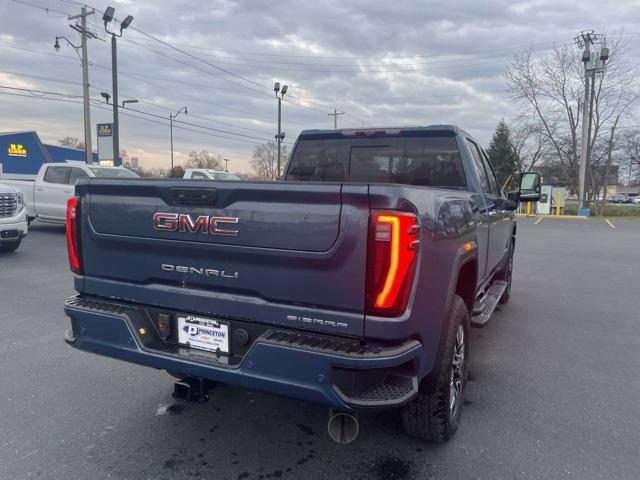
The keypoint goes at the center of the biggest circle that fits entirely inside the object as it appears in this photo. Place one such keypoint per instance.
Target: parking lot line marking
(539, 220)
(609, 223)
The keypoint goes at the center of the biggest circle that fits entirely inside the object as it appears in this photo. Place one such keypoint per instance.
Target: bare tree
(204, 159)
(177, 172)
(71, 142)
(550, 90)
(264, 161)
(530, 143)
(629, 158)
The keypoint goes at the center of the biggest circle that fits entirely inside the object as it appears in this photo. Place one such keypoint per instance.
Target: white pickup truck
(46, 196)
(207, 174)
(13, 218)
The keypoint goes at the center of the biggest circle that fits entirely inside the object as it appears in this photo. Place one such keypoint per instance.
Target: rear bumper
(333, 371)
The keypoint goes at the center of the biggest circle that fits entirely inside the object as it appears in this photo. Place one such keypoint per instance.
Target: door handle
(40, 189)
(67, 191)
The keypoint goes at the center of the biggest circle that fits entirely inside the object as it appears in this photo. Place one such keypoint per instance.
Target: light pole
(124, 103)
(171, 118)
(280, 135)
(107, 18)
(226, 164)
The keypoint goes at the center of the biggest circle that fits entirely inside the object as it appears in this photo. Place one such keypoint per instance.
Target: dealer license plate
(203, 333)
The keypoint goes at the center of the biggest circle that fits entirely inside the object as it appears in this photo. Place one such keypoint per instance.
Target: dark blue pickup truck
(351, 283)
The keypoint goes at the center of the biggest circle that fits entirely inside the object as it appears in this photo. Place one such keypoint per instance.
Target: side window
(477, 160)
(76, 174)
(198, 176)
(57, 175)
(493, 181)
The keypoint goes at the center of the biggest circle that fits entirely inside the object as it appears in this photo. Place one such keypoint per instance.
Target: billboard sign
(105, 143)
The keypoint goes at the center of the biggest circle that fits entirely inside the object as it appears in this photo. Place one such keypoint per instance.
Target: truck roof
(399, 130)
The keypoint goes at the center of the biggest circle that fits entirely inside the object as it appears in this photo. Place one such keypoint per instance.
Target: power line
(360, 57)
(182, 62)
(46, 9)
(169, 45)
(99, 105)
(137, 76)
(40, 93)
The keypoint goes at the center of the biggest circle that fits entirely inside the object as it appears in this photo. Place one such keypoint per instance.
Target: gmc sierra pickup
(352, 283)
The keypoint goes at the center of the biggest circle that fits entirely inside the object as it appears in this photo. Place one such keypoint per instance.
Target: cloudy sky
(382, 63)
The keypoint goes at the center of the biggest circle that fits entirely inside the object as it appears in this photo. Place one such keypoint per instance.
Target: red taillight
(390, 261)
(73, 245)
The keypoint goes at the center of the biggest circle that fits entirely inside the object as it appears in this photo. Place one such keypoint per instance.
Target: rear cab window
(76, 174)
(424, 160)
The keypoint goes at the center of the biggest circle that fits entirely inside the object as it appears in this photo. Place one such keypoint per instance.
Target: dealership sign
(16, 150)
(105, 143)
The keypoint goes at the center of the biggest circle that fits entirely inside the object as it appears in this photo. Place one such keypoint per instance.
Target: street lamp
(171, 118)
(280, 136)
(108, 17)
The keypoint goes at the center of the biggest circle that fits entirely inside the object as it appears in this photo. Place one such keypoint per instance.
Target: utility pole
(171, 118)
(84, 35)
(226, 164)
(591, 67)
(280, 134)
(335, 117)
(586, 57)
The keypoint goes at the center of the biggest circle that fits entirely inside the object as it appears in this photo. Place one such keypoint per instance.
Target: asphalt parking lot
(555, 390)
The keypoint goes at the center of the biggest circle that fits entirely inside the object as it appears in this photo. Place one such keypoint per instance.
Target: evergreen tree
(502, 155)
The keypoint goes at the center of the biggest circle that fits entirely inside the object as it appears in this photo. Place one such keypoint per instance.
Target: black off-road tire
(10, 246)
(432, 415)
(507, 275)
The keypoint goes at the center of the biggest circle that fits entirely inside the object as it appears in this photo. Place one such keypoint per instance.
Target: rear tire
(10, 246)
(434, 414)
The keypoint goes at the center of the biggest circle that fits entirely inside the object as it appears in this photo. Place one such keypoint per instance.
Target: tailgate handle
(195, 197)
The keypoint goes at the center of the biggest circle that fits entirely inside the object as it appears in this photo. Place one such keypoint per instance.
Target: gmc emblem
(182, 222)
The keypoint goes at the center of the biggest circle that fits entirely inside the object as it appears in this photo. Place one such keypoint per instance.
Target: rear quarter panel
(447, 219)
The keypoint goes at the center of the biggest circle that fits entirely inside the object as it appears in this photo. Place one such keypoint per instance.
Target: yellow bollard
(558, 203)
(528, 208)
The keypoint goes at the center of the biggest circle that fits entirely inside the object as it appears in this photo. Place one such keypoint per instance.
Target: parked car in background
(46, 196)
(618, 198)
(636, 200)
(208, 174)
(13, 218)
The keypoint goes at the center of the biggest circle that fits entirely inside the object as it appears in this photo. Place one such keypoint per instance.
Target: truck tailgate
(279, 253)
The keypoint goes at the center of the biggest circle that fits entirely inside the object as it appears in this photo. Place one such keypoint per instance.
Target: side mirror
(529, 187)
(514, 196)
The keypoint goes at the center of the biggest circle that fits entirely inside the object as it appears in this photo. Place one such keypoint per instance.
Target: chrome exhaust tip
(343, 427)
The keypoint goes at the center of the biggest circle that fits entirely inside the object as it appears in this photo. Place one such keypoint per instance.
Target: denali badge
(182, 222)
(205, 272)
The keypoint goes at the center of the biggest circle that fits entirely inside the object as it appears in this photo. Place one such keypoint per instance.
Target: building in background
(22, 154)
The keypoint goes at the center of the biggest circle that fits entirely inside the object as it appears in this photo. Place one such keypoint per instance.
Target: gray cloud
(382, 63)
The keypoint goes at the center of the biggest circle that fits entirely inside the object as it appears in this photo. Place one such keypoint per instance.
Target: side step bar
(484, 308)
